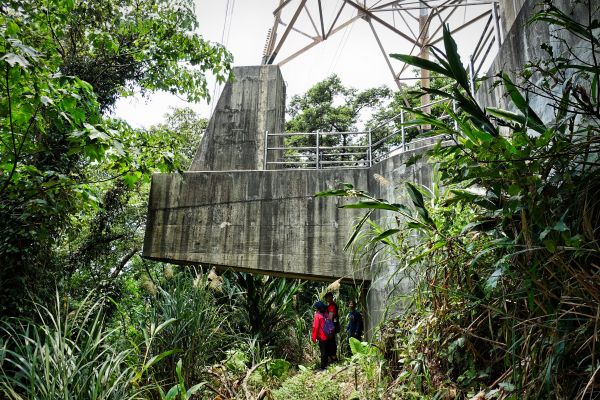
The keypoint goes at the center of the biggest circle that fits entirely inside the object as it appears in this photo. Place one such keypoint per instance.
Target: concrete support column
(250, 105)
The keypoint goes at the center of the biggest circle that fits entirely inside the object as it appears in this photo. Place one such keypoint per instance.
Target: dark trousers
(333, 348)
(324, 349)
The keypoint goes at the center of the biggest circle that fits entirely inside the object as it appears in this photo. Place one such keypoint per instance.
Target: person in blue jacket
(355, 323)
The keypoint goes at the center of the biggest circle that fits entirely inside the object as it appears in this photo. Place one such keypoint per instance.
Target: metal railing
(318, 150)
(363, 149)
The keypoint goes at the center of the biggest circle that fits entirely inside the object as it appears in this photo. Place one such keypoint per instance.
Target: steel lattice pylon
(417, 22)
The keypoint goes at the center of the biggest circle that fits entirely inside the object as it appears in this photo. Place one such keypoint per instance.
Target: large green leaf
(523, 105)
(458, 70)
(422, 63)
(357, 229)
(419, 203)
(376, 205)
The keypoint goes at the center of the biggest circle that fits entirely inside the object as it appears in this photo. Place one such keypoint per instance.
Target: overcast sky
(352, 53)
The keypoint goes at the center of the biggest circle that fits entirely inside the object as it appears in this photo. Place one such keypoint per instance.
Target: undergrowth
(504, 248)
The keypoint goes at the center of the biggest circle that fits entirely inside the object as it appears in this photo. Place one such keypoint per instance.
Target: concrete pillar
(250, 105)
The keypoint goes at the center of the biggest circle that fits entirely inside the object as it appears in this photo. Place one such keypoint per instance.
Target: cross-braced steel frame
(418, 22)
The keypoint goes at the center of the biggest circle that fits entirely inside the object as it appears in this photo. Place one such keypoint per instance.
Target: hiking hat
(319, 305)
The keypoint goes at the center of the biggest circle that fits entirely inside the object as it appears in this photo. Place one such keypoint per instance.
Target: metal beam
(317, 41)
(471, 22)
(387, 60)
(286, 33)
(380, 20)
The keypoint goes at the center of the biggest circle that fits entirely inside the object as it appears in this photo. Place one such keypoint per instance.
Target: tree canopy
(62, 64)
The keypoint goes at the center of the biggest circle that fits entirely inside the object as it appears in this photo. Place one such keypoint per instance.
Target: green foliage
(61, 64)
(191, 324)
(179, 391)
(370, 360)
(329, 106)
(264, 308)
(120, 45)
(502, 248)
(67, 355)
(308, 385)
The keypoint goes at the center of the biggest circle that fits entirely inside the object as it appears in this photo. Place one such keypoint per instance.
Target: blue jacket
(355, 324)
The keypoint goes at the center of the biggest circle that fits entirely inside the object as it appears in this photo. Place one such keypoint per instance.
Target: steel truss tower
(417, 22)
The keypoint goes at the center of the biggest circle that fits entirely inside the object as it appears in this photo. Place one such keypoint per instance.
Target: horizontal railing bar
(300, 155)
(289, 162)
(344, 162)
(292, 134)
(343, 147)
(292, 148)
(342, 133)
(362, 153)
(377, 143)
(315, 133)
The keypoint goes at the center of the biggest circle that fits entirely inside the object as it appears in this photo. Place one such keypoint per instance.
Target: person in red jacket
(332, 314)
(318, 334)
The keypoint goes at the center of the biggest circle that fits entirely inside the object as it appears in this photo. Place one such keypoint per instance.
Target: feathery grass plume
(168, 271)
(215, 281)
(198, 281)
(334, 286)
(148, 286)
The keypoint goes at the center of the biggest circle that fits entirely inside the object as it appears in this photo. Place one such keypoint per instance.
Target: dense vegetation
(503, 248)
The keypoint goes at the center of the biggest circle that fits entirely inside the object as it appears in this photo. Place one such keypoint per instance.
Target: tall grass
(64, 356)
(196, 328)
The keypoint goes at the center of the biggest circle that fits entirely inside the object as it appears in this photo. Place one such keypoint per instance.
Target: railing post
(402, 130)
(370, 149)
(456, 116)
(496, 20)
(266, 149)
(472, 75)
(317, 152)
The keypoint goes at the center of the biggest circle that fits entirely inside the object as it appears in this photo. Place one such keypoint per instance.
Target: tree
(120, 45)
(54, 142)
(387, 121)
(96, 249)
(329, 106)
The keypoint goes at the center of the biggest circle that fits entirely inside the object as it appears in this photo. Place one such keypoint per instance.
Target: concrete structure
(229, 212)
(522, 44)
(234, 138)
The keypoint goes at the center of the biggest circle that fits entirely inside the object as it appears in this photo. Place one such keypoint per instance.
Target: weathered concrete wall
(509, 9)
(266, 221)
(235, 136)
(261, 221)
(387, 181)
(522, 44)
